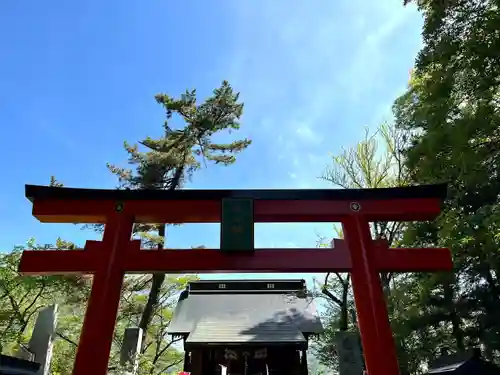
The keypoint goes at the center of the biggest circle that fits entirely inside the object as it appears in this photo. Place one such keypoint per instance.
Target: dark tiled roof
(242, 331)
(16, 366)
(245, 317)
(462, 363)
(451, 361)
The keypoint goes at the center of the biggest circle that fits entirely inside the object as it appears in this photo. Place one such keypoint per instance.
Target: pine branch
(169, 161)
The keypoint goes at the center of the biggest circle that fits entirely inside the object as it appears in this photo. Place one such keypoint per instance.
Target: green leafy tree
(375, 162)
(451, 110)
(159, 353)
(168, 162)
(22, 297)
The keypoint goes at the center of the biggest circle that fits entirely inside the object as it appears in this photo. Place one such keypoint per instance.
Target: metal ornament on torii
(237, 210)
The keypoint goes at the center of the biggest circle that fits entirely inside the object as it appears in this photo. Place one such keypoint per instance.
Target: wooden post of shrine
(379, 349)
(117, 254)
(99, 322)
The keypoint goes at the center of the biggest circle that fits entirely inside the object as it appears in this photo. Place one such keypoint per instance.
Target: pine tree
(168, 162)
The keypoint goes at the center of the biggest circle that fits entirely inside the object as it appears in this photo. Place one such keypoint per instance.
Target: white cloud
(309, 74)
(306, 134)
(307, 69)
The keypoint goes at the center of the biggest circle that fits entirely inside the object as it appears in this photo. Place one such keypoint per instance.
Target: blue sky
(78, 78)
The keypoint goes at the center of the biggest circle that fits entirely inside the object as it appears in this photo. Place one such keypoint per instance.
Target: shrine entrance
(244, 361)
(237, 211)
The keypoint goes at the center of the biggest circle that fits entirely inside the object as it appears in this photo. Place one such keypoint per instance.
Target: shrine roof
(249, 314)
(242, 331)
(17, 366)
(63, 193)
(469, 362)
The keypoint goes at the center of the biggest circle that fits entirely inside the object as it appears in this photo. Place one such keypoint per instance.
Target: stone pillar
(349, 352)
(131, 348)
(42, 338)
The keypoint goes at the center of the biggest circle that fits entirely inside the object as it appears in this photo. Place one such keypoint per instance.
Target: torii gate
(237, 210)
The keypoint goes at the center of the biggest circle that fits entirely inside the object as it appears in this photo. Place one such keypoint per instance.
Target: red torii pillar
(117, 254)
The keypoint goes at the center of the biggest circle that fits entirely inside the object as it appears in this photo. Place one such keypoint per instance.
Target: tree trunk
(457, 332)
(158, 278)
(344, 310)
(154, 293)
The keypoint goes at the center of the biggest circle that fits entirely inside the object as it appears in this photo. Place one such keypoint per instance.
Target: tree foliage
(169, 161)
(23, 297)
(449, 117)
(451, 111)
(147, 301)
(375, 162)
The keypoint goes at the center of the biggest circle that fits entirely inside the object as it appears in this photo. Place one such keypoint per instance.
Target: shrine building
(251, 327)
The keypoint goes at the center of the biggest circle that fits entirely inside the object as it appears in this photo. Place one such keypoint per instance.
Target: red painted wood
(116, 255)
(50, 262)
(62, 262)
(97, 333)
(57, 262)
(414, 260)
(376, 335)
(134, 260)
(262, 260)
(265, 211)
